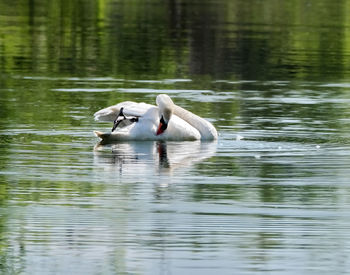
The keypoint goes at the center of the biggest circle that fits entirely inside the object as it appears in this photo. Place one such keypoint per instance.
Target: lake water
(270, 196)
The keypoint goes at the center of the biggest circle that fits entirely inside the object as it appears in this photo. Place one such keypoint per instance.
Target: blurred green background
(224, 39)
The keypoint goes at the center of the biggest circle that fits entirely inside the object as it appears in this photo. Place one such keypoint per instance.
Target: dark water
(271, 196)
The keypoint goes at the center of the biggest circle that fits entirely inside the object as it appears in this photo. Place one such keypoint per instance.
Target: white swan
(166, 121)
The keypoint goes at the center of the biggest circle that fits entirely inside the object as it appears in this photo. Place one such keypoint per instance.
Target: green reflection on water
(178, 39)
(60, 61)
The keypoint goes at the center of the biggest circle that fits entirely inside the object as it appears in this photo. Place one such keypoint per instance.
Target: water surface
(270, 196)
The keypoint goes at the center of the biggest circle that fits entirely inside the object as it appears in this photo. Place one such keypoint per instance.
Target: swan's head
(165, 105)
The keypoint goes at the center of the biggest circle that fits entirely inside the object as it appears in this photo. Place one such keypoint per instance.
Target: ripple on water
(272, 191)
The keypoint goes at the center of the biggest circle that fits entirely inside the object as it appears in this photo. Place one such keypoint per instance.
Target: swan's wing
(130, 109)
(123, 121)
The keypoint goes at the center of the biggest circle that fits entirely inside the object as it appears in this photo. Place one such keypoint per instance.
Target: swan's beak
(162, 126)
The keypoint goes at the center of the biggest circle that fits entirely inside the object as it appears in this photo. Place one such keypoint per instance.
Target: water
(271, 196)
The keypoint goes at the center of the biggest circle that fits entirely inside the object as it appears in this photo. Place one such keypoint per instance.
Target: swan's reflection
(163, 154)
(144, 158)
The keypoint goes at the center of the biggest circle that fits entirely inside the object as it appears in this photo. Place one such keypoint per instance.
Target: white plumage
(180, 124)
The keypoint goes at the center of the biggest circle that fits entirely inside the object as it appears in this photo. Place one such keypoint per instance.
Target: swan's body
(166, 121)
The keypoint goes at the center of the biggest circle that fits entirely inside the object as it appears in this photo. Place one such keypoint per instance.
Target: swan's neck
(205, 128)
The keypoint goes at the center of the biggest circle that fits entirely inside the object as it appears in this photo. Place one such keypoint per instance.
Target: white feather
(182, 124)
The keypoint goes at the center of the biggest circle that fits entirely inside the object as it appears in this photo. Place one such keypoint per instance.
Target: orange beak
(160, 129)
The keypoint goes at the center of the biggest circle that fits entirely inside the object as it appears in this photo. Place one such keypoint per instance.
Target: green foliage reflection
(176, 38)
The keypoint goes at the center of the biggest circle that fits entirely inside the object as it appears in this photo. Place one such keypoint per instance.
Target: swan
(142, 121)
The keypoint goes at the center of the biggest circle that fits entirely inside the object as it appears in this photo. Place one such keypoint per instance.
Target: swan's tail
(103, 136)
(110, 137)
